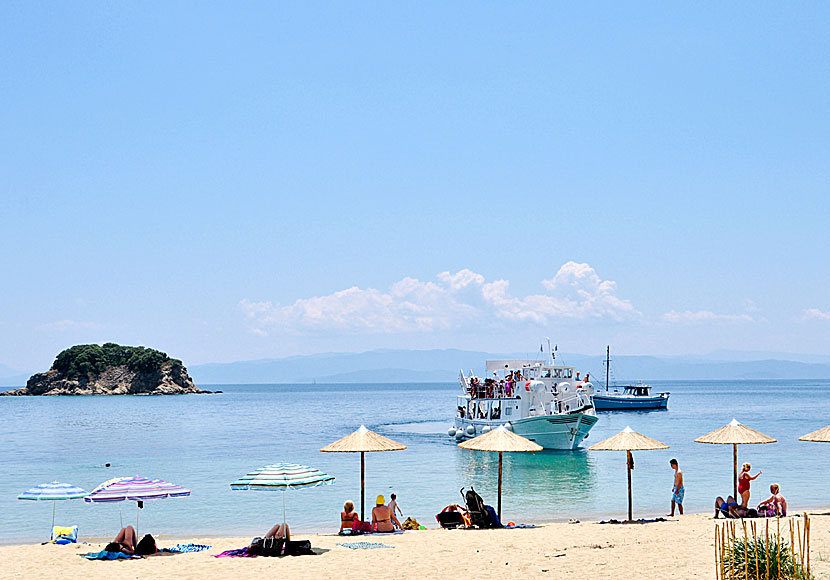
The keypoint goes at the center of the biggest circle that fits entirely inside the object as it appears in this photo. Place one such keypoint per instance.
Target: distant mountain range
(427, 366)
(407, 366)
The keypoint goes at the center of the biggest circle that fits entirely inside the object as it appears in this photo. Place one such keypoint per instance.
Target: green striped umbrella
(282, 477)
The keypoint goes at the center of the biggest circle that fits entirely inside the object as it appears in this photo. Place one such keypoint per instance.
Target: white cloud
(450, 301)
(703, 316)
(815, 314)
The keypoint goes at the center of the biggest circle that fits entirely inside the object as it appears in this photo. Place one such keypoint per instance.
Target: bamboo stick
(717, 539)
(778, 543)
(800, 546)
(746, 552)
(766, 551)
(807, 526)
(755, 548)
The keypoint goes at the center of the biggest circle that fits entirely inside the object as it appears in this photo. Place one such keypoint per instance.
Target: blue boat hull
(612, 403)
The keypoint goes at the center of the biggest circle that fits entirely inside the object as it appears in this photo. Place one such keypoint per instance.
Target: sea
(204, 442)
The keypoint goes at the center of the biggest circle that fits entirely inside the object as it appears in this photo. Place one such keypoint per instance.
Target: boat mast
(607, 365)
(551, 355)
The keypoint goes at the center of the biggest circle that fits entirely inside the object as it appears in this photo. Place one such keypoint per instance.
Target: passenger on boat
(461, 411)
(776, 502)
(382, 516)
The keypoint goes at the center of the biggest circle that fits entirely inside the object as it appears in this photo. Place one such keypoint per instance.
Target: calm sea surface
(205, 442)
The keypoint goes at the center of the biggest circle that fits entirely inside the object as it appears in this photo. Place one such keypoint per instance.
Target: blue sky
(268, 179)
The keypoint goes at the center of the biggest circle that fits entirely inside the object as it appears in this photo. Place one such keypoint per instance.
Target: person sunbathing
(124, 542)
(776, 500)
(382, 516)
(348, 516)
(279, 531)
(731, 509)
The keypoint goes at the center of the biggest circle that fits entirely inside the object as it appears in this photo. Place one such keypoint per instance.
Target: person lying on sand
(731, 509)
(279, 531)
(124, 541)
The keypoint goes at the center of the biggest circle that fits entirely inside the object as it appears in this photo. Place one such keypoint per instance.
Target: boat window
(483, 409)
(569, 373)
(508, 411)
(546, 373)
(471, 410)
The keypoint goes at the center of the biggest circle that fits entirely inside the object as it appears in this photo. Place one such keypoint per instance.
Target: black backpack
(146, 546)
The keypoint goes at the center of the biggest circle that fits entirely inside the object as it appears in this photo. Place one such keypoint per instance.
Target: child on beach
(393, 507)
(776, 502)
(677, 490)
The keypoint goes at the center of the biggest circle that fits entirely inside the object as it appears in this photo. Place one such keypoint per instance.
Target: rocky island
(111, 369)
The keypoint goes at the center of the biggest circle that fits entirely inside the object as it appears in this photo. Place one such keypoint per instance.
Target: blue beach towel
(182, 548)
(104, 555)
(364, 545)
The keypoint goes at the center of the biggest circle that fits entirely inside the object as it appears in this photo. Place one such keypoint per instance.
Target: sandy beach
(678, 548)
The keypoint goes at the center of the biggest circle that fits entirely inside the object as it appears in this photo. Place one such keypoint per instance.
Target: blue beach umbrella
(282, 477)
(54, 492)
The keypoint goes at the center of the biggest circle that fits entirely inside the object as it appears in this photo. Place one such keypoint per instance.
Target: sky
(235, 181)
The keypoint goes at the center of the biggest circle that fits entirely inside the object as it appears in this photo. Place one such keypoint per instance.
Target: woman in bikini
(382, 516)
(348, 516)
(743, 483)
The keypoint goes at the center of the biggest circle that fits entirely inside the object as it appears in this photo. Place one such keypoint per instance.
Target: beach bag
(494, 517)
(146, 546)
(299, 548)
(766, 511)
(359, 526)
(65, 534)
(411, 524)
(266, 547)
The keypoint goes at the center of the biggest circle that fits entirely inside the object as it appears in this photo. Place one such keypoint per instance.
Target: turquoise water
(205, 442)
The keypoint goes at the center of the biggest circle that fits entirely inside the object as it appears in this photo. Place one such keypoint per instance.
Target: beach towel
(511, 526)
(239, 553)
(104, 555)
(182, 548)
(640, 521)
(364, 545)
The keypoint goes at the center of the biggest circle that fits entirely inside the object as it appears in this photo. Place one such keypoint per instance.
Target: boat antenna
(607, 365)
(552, 356)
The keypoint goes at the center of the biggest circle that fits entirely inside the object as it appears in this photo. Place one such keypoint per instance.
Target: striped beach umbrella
(54, 492)
(138, 489)
(282, 477)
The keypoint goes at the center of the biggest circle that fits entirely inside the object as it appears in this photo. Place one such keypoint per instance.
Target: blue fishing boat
(636, 397)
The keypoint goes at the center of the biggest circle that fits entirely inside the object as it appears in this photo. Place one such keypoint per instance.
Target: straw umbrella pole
(628, 441)
(498, 441)
(363, 441)
(735, 434)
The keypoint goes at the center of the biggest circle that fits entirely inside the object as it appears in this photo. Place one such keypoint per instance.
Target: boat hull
(565, 431)
(623, 403)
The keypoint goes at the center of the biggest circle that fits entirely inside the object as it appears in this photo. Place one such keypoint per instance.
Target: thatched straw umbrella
(628, 441)
(498, 441)
(735, 434)
(363, 441)
(820, 436)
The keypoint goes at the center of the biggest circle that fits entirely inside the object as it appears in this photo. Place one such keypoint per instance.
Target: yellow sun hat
(381, 500)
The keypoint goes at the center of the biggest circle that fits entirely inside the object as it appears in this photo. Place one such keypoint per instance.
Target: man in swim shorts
(677, 490)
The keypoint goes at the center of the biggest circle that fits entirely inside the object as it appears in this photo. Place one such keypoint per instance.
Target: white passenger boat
(540, 400)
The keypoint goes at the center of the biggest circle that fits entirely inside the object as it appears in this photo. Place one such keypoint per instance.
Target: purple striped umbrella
(137, 489)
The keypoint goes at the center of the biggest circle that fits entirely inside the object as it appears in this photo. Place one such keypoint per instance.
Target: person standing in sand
(393, 506)
(743, 483)
(677, 490)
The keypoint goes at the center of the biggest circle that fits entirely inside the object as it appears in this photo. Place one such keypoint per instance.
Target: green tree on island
(90, 360)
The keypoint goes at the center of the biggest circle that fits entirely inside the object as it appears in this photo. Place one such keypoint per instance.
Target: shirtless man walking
(677, 490)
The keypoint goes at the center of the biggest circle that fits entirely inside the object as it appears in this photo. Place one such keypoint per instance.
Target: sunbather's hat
(381, 500)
